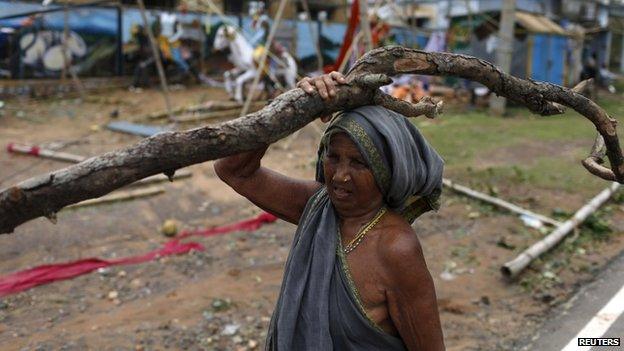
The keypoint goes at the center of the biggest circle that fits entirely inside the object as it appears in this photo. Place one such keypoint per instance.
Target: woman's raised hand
(324, 84)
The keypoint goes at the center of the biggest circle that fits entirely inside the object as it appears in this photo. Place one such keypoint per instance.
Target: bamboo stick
(207, 115)
(317, 42)
(263, 58)
(44, 153)
(347, 55)
(156, 54)
(206, 107)
(233, 113)
(498, 202)
(119, 196)
(365, 25)
(518, 264)
(73, 158)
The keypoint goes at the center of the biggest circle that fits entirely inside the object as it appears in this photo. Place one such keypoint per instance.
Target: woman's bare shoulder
(399, 248)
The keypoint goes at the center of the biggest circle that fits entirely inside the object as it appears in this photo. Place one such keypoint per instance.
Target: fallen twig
(120, 196)
(498, 202)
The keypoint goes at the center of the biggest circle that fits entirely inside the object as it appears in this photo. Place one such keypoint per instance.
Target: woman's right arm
(275, 193)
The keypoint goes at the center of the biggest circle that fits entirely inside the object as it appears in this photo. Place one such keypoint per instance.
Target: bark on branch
(539, 97)
(166, 152)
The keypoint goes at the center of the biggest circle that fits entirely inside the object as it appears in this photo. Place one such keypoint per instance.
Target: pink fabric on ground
(26, 279)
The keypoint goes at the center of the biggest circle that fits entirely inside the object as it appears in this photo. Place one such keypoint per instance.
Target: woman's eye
(359, 163)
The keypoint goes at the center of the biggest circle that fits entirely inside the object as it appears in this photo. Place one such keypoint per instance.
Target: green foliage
(597, 227)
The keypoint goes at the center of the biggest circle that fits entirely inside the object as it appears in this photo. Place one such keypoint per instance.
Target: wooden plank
(135, 128)
(196, 117)
(209, 106)
(119, 196)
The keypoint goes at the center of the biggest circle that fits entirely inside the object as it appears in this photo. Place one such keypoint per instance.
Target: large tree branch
(165, 152)
(539, 97)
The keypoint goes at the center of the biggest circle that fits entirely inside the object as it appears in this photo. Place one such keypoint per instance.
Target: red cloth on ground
(26, 279)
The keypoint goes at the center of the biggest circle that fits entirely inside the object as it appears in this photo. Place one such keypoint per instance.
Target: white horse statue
(245, 68)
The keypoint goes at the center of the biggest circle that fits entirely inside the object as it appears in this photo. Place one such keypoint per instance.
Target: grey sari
(319, 307)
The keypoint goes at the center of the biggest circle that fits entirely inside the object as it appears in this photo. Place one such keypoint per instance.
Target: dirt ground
(222, 298)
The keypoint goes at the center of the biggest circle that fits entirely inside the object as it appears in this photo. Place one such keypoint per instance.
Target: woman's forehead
(341, 141)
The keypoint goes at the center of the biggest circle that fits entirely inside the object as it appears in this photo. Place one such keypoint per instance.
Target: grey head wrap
(408, 171)
(317, 308)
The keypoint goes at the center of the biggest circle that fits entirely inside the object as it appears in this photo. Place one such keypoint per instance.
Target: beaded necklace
(360, 236)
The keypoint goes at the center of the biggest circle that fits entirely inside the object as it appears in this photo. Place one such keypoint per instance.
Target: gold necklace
(360, 236)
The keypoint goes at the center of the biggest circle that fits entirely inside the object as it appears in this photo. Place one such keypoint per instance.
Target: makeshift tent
(539, 50)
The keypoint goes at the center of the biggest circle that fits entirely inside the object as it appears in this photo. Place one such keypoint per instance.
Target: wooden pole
(365, 25)
(159, 65)
(317, 42)
(504, 50)
(211, 106)
(66, 62)
(518, 264)
(354, 43)
(73, 158)
(64, 42)
(498, 202)
(263, 58)
(239, 29)
(44, 153)
(231, 114)
(120, 196)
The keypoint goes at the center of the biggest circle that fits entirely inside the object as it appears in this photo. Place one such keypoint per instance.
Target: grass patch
(467, 139)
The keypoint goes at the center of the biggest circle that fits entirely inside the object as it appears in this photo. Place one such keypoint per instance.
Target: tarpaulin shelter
(539, 50)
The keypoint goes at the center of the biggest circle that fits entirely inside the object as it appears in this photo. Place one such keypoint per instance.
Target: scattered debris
(531, 221)
(498, 202)
(43, 153)
(195, 117)
(230, 329)
(120, 196)
(502, 242)
(135, 128)
(112, 295)
(517, 265)
(447, 273)
(219, 305)
(209, 106)
(169, 227)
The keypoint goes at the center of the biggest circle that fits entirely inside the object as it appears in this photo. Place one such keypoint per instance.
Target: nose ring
(345, 180)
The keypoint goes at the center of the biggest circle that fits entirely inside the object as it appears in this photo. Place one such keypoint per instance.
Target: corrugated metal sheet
(538, 24)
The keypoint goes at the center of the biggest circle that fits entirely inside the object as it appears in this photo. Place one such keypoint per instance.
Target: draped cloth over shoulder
(318, 307)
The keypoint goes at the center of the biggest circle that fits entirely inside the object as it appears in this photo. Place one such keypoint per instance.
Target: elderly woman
(355, 278)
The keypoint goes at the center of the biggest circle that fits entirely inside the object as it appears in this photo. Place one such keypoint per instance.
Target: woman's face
(350, 183)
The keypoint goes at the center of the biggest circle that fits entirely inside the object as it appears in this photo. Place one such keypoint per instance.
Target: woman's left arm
(410, 293)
